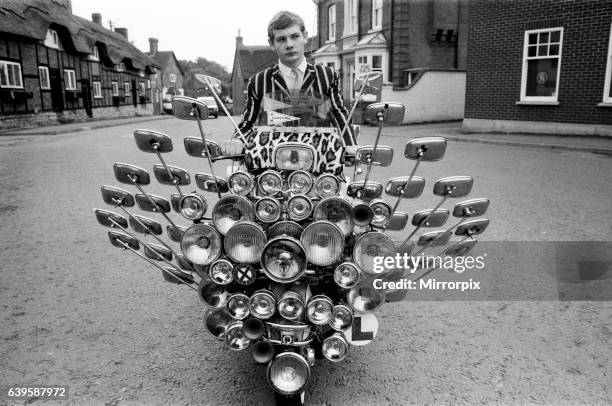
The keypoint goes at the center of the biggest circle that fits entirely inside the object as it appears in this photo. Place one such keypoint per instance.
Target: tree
(193, 87)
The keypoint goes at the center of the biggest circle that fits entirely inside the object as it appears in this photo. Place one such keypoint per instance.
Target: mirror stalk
(212, 171)
(350, 116)
(437, 255)
(448, 230)
(152, 201)
(423, 221)
(174, 180)
(401, 196)
(381, 123)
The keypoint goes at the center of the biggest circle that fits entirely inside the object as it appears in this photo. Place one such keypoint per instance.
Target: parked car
(167, 104)
(211, 103)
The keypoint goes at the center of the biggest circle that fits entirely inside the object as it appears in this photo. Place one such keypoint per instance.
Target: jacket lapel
(309, 77)
(278, 78)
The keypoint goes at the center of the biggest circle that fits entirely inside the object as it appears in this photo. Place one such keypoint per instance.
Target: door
(134, 94)
(86, 93)
(57, 91)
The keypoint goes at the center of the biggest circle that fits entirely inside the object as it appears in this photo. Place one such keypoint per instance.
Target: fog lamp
(335, 347)
(263, 304)
(238, 306)
(369, 246)
(267, 210)
(193, 206)
(221, 272)
(201, 244)
(364, 298)
(291, 305)
(244, 242)
(288, 373)
(299, 207)
(270, 183)
(283, 259)
(381, 212)
(327, 185)
(347, 275)
(300, 182)
(241, 183)
(235, 338)
(342, 317)
(337, 211)
(319, 309)
(292, 156)
(323, 241)
(231, 209)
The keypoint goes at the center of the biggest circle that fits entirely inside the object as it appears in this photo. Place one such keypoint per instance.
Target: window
(377, 14)
(126, 88)
(541, 65)
(148, 83)
(43, 74)
(362, 59)
(376, 62)
(97, 90)
(142, 88)
(331, 23)
(141, 73)
(70, 79)
(10, 74)
(96, 54)
(115, 87)
(607, 98)
(350, 17)
(52, 40)
(172, 77)
(121, 67)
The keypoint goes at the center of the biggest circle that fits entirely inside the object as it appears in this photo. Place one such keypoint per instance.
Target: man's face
(289, 44)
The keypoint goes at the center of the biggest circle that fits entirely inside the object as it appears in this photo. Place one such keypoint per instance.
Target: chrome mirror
(435, 238)
(382, 157)
(150, 251)
(472, 227)
(183, 263)
(471, 208)
(116, 196)
(453, 186)
(373, 190)
(180, 175)
(116, 238)
(145, 225)
(130, 174)
(400, 187)
(426, 149)
(195, 147)
(461, 248)
(207, 183)
(153, 203)
(185, 108)
(397, 221)
(176, 233)
(429, 218)
(181, 277)
(152, 141)
(175, 202)
(389, 113)
(106, 218)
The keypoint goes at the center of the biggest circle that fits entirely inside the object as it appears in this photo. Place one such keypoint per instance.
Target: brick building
(540, 66)
(169, 76)
(55, 66)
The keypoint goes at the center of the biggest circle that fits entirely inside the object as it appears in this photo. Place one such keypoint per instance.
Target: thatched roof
(163, 58)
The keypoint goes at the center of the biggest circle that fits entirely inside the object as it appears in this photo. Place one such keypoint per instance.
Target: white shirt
(291, 80)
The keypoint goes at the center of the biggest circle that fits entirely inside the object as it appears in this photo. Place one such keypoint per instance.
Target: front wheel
(289, 400)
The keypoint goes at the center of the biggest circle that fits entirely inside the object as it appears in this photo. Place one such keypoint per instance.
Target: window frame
(70, 79)
(351, 18)
(45, 69)
(331, 22)
(115, 88)
(126, 89)
(172, 77)
(607, 91)
(377, 5)
(6, 75)
(97, 90)
(120, 67)
(142, 88)
(526, 59)
(52, 39)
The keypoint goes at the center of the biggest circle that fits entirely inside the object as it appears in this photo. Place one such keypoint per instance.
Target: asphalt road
(78, 312)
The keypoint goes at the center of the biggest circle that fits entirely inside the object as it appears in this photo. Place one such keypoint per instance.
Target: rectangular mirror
(472, 227)
(471, 208)
(176, 233)
(156, 204)
(175, 201)
(151, 250)
(195, 148)
(207, 183)
(104, 217)
(115, 196)
(390, 113)
(185, 108)
(461, 248)
(428, 218)
(435, 238)
(148, 226)
(161, 174)
(428, 149)
(401, 187)
(183, 263)
(382, 157)
(125, 173)
(115, 237)
(152, 141)
(397, 221)
(184, 277)
(373, 190)
(453, 186)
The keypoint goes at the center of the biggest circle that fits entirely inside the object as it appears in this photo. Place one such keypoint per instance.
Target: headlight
(216, 322)
(327, 186)
(300, 182)
(381, 212)
(291, 305)
(270, 183)
(319, 309)
(342, 318)
(193, 206)
(201, 244)
(241, 183)
(283, 259)
(293, 156)
(299, 207)
(221, 272)
(231, 209)
(238, 306)
(364, 298)
(335, 210)
(245, 274)
(323, 241)
(267, 209)
(335, 347)
(347, 275)
(211, 294)
(235, 338)
(287, 228)
(369, 246)
(244, 242)
(263, 304)
(288, 373)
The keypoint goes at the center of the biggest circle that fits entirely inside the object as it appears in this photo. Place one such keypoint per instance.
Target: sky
(195, 28)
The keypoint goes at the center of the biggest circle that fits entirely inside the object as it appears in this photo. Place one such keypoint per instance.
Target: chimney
(122, 31)
(239, 42)
(153, 45)
(96, 18)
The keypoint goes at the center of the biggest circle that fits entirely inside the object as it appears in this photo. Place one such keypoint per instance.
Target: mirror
(434, 219)
(175, 201)
(104, 217)
(161, 174)
(472, 227)
(175, 233)
(428, 149)
(152, 141)
(373, 190)
(116, 196)
(390, 113)
(461, 248)
(453, 186)
(397, 294)
(155, 204)
(471, 208)
(185, 108)
(382, 157)
(435, 238)
(115, 238)
(183, 263)
(401, 187)
(151, 250)
(397, 221)
(149, 226)
(195, 147)
(184, 277)
(125, 173)
(207, 182)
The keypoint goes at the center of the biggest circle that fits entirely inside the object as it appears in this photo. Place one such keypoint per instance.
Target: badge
(244, 274)
(363, 330)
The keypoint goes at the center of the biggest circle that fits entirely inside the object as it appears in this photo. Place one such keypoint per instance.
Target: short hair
(284, 19)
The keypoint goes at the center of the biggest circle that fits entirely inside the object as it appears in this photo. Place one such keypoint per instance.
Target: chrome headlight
(323, 241)
(238, 306)
(235, 338)
(221, 272)
(270, 183)
(294, 156)
(216, 322)
(267, 209)
(319, 309)
(342, 318)
(263, 304)
(300, 182)
(287, 228)
(193, 206)
(299, 207)
(244, 242)
(335, 210)
(201, 244)
(288, 373)
(369, 246)
(291, 305)
(241, 183)
(211, 294)
(327, 186)
(231, 209)
(283, 259)
(347, 275)
(381, 212)
(364, 298)
(335, 347)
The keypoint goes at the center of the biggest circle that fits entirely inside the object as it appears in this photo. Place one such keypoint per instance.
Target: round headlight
(319, 309)
(263, 304)
(381, 212)
(231, 209)
(245, 274)
(335, 347)
(193, 206)
(244, 242)
(342, 318)
(241, 183)
(364, 298)
(335, 210)
(327, 186)
(291, 305)
(201, 244)
(288, 373)
(235, 338)
(323, 241)
(267, 209)
(283, 259)
(300, 182)
(287, 228)
(270, 183)
(211, 294)
(299, 207)
(369, 246)
(221, 272)
(216, 322)
(347, 275)
(238, 306)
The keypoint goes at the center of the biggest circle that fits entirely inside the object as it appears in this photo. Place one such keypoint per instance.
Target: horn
(262, 352)
(211, 294)
(253, 328)
(361, 214)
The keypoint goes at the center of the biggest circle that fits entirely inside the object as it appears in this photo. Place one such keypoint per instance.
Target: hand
(351, 150)
(232, 147)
